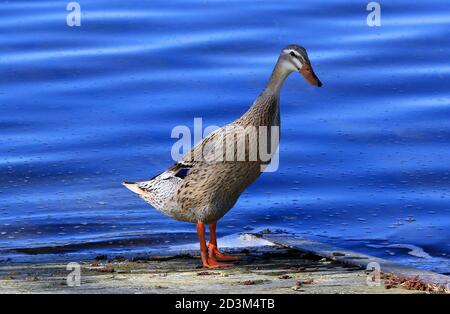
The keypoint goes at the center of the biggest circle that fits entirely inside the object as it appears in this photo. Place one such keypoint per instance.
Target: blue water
(364, 160)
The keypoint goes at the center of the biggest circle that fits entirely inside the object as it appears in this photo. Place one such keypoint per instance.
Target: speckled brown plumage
(206, 184)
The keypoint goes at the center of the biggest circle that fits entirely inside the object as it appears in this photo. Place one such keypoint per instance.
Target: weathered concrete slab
(279, 270)
(357, 259)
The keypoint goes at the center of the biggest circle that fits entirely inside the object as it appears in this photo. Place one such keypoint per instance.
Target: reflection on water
(363, 160)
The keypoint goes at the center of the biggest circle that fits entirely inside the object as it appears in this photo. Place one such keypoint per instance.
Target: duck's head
(295, 58)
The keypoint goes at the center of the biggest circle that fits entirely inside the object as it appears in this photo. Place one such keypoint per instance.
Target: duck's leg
(206, 260)
(212, 246)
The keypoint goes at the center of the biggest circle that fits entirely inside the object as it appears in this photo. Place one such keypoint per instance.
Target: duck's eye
(292, 54)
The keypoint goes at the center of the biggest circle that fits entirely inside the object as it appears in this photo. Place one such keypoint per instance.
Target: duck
(207, 181)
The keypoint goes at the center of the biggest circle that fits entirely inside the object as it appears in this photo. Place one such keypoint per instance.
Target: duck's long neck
(279, 74)
(266, 109)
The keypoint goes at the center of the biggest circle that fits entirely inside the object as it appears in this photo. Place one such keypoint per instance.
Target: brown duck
(206, 183)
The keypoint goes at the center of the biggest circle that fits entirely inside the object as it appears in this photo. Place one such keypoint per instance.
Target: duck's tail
(160, 193)
(132, 186)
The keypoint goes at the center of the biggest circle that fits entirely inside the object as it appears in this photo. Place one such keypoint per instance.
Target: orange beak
(308, 73)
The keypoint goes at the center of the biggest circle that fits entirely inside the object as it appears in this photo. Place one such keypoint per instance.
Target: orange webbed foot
(214, 253)
(209, 262)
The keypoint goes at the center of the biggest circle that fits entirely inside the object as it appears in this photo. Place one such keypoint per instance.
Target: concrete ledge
(264, 270)
(292, 265)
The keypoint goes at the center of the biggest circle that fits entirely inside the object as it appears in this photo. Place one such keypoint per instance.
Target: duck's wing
(166, 184)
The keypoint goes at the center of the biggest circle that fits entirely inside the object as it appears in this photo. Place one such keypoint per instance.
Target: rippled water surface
(364, 159)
